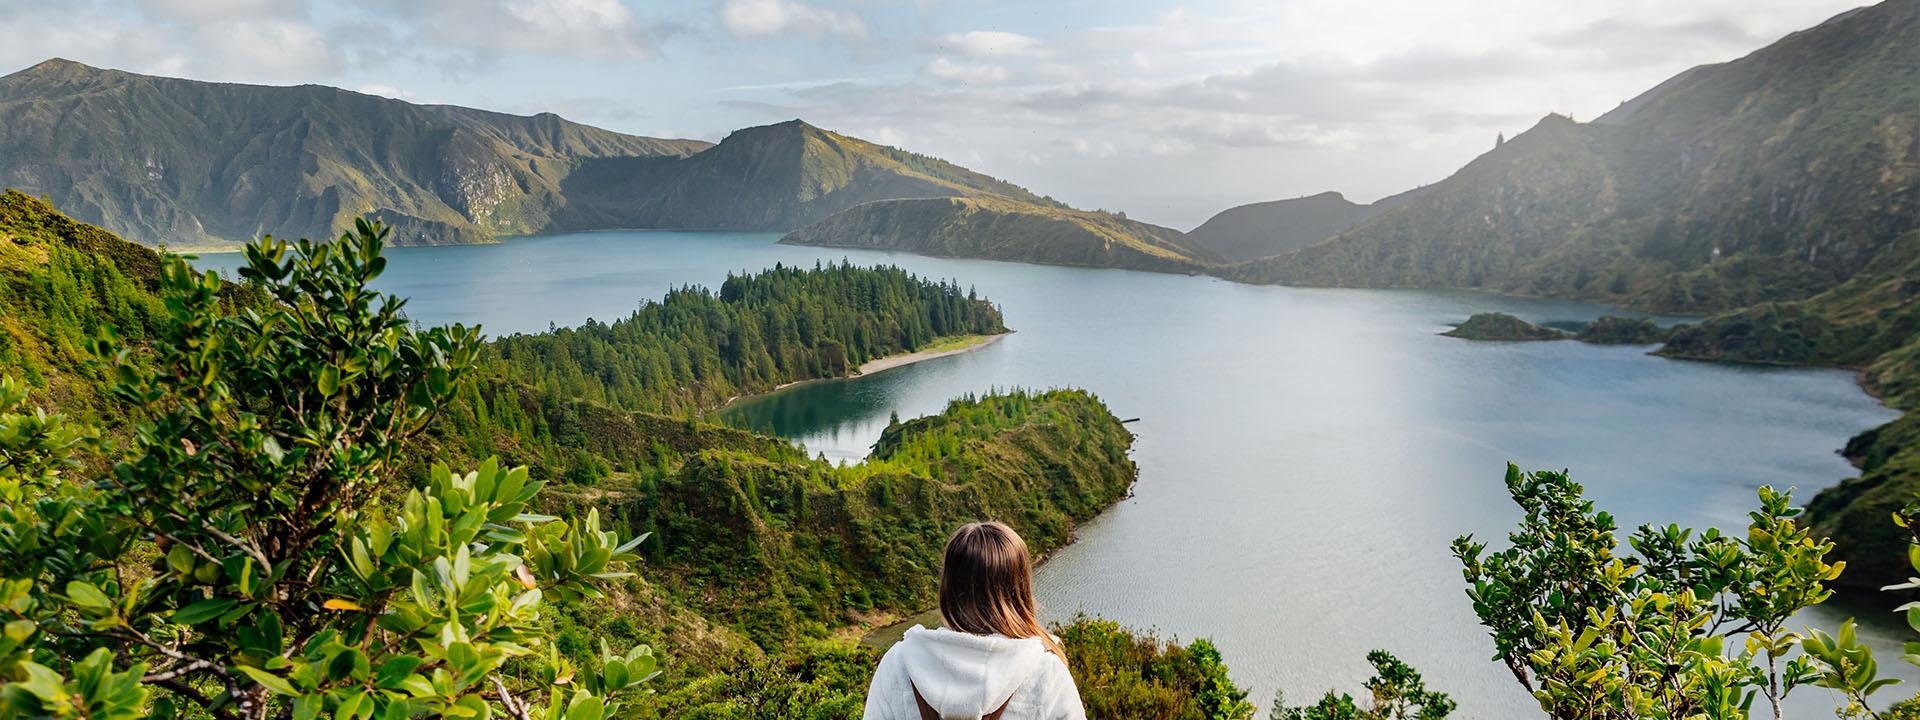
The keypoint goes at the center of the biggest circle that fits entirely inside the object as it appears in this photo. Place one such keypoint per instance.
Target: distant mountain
(1772, 177)
(1261, 229)
(164, 160)
(186, 162)
(773, 177)
(1003, 229)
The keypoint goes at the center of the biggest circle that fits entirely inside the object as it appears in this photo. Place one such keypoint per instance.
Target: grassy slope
(762, 556)
(772, 177)
(1871, 323)
(62, 283)
(186, 162)
(190, 163)
(1000, 229)
(1772, 177)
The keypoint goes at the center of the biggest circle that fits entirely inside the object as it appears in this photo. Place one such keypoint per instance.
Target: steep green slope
(1872, 323)
(61, 284)
(1257, 230)
(762, 557)
(772, 177)
(1772, 177)
(996, 229)
(185, 162)
(182, 162)
(787, 549)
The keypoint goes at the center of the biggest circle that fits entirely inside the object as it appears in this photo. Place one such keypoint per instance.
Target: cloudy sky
(1168, 110)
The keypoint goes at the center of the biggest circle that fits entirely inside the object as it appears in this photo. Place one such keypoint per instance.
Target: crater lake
(1306, 455)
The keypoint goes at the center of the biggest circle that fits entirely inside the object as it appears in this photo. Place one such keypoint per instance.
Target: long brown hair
(986, 585)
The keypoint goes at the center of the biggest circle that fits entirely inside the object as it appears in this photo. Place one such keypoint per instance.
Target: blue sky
(1167, 110)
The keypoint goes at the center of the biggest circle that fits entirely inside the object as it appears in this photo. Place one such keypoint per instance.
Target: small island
(1502, 327)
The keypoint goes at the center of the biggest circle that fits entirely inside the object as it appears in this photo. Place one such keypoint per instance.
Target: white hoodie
(964, 676)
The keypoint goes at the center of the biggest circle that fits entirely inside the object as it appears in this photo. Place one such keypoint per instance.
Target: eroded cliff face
(180, 162)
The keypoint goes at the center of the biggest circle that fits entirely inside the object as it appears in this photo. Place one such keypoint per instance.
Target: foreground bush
(1686, 625)
(1122, 674)
(234, 561)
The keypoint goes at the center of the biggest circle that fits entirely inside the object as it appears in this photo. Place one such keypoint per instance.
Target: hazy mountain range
(1774, 176)
(1262, 229)
(164, 160)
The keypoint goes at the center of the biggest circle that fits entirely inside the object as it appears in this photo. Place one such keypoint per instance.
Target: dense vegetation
(1122, 674)
(61, 284)
(1396, 692)
(1681, 624)
(761, 559)
(238, 561)
(1001, 229)
(696, 349)
(1872, 323)
(1612, 330)
(1501, 326)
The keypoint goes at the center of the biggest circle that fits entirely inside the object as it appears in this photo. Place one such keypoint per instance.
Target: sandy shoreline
(893, 361)
(879, 365)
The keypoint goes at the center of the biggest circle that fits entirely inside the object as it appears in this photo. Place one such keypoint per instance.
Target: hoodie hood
(962, 675)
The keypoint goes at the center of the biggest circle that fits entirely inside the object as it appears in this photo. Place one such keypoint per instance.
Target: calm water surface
(1305, 455)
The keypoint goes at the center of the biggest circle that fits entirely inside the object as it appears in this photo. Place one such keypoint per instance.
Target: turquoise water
(1306, 455)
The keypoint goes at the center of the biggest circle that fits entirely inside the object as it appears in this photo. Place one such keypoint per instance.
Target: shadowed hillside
(1772, 177)
(1258, 230)
(997, 229)
(186, 162)
(772, 177)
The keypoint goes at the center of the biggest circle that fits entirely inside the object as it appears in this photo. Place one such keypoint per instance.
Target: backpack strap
(928, 713)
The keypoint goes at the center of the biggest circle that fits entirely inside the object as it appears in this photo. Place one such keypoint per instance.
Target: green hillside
(1257, 230)
(1772, 177)
(1870, 323)
(1000, 229)
(772, 177)
(764, 564)
(187, 163)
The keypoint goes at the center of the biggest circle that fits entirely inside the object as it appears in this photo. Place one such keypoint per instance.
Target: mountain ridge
(1010, 230)
(1774, 176)
(1272, 227)
(192, 163)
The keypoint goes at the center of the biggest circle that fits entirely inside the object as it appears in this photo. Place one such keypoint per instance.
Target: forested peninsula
(759, 563)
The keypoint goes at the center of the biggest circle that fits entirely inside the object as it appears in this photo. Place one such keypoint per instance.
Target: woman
(993, 660)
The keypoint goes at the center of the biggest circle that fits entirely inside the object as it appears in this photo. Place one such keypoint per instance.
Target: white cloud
(388, 91)
(772, 18)
(988, 44)
(586, 29)
(249, 41)
(965, 73)
(207, 10)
